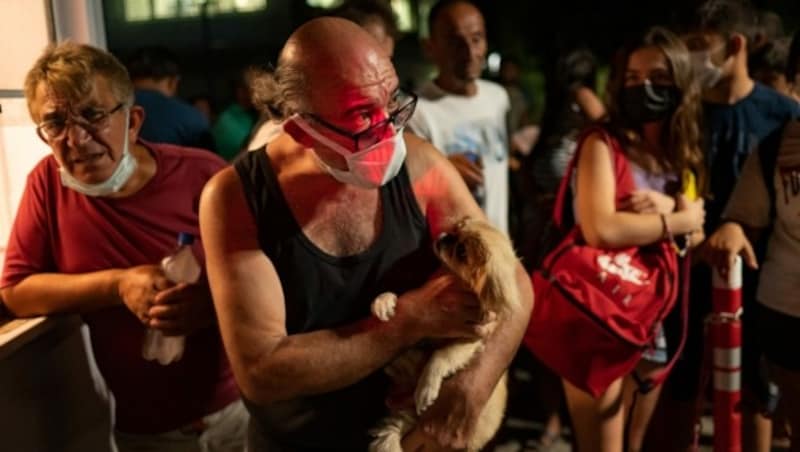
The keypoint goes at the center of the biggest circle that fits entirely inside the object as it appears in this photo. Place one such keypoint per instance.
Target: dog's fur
(483, 258)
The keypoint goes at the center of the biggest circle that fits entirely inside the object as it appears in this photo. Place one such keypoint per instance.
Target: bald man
(375, 17)
(300, 238)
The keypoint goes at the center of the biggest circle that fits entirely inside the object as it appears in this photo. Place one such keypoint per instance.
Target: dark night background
(532, 31)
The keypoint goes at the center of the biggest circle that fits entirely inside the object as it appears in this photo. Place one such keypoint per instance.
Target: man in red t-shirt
(96, 218)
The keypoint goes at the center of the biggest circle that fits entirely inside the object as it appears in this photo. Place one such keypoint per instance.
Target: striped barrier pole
(726, 341)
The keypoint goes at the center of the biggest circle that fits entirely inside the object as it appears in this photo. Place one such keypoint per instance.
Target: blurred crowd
(325, 182)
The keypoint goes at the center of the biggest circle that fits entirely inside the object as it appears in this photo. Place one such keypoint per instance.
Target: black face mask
(647, 103)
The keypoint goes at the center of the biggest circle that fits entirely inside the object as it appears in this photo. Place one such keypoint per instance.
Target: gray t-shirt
(750, 205)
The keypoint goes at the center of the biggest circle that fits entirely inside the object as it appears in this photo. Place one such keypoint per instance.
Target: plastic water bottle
(179, 267)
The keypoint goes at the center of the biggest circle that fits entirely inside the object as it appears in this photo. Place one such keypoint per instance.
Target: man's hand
(471, 172)
(182, 309)
(649, 201)
(451, 420)
(727, 242)
(418, 441)
(138, 286)
(442, 308)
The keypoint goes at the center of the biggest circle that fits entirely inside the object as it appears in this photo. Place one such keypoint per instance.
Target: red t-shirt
(60, 230)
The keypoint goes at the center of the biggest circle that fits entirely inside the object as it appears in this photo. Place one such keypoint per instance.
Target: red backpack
(597, 310)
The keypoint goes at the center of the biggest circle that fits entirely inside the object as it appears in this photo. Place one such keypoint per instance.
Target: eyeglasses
(91, 119)
(401, 106)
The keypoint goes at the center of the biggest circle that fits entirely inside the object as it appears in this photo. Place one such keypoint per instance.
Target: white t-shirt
(457, 124)
(749, 204)
(264, 132)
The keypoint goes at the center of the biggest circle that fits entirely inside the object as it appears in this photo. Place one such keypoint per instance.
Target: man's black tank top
(323, 291)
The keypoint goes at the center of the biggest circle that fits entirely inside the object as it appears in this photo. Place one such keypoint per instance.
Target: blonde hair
(68, 69)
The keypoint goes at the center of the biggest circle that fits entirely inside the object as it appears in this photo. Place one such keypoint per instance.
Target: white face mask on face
(368, 168)
(122, 173)
(707, 73)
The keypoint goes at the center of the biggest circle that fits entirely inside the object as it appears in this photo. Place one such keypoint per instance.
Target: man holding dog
(301, 237)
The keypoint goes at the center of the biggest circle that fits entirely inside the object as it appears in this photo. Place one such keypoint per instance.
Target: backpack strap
(646, 385)
(563, 217)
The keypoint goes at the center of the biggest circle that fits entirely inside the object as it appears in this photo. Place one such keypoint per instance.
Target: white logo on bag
(620, 265)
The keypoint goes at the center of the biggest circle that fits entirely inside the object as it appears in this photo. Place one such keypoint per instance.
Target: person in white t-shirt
(751, 212)
(462, 115)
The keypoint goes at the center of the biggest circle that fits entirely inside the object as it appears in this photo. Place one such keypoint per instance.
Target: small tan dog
(484, 258)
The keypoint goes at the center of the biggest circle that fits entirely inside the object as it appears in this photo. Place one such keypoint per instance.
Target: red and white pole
(726, 342)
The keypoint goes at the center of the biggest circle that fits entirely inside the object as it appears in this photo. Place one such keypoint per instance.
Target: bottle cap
(185, 238)
(472, 156)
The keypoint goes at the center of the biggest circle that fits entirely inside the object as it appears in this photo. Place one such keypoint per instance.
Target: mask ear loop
(651, 93)
(723, 49)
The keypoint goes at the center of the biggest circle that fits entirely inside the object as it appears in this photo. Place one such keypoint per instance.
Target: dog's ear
(499, 292)
(492, 293)
(477, 280)
(477, 252)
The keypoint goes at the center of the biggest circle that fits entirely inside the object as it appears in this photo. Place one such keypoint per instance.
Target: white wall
(26, 28)
(24, 32)
(20, 150)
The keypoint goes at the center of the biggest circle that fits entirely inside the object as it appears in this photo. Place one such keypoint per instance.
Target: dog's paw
(389, 434)
(426, 394)
(383, 306)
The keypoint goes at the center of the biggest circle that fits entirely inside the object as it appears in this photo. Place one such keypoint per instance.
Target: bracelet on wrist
(667, 235)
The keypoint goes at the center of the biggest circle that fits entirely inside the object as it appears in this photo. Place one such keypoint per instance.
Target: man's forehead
(376, 89)
(378, 72)
(51, 98)
(368, 70)
(460, 17)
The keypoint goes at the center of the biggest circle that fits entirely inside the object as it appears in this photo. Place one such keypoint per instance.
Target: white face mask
(706, 72)
(368, 168)
(122, 173)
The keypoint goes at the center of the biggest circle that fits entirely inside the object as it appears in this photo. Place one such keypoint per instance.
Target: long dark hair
(681, 138)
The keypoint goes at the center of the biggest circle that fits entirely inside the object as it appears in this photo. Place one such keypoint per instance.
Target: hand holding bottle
(181, 310)
(138, 287)
(469, 166)
(181, 268)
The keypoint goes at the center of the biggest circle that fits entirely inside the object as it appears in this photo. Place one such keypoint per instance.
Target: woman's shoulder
(598, 137)
(596, 145)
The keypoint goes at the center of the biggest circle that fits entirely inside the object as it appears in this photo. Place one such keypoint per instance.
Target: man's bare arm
(445, 199)
(268, 363)
(53, 293)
